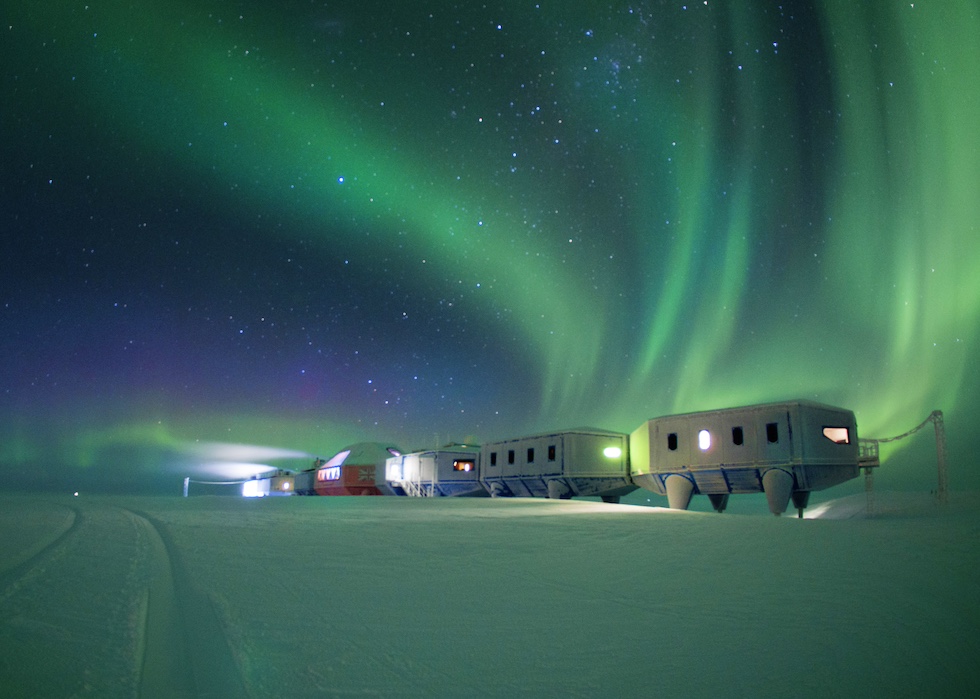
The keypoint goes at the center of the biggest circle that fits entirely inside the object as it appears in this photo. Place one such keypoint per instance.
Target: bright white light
(704, 440)
(255, 489)
(612, 452)
(394, 471)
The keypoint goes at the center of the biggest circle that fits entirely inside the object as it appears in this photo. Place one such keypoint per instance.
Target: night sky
(305, 224)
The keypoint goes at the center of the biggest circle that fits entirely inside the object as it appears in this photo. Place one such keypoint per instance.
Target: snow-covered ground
(293, 597)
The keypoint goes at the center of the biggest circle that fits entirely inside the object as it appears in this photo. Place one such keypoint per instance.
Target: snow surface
(294, 597)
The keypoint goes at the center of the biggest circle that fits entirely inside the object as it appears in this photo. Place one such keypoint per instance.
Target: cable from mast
(942, 480)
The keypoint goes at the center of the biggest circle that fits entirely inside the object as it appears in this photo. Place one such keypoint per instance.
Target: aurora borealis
(301, 225)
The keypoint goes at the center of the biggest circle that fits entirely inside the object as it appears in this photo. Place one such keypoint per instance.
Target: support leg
(679, 492)
(778, 485)
(800, 500)
(719, 501)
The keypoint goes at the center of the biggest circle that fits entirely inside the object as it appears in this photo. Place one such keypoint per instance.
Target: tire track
(162, 655)
(31, 562)
(185, 652)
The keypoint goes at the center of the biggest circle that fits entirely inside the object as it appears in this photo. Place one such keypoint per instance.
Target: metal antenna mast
(936, 418)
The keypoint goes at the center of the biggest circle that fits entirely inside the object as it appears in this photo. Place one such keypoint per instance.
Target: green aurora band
(767, 241)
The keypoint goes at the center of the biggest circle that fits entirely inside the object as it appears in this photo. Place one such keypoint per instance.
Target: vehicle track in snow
(25, 565)
(184, 649)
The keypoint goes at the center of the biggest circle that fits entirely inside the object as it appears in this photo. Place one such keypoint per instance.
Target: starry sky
(298, 225)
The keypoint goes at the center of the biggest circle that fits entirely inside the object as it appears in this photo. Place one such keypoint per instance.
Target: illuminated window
(331, 473)
(612, 452)
(464, 465)
(837, 435)
(672, 441)
(530, 456)
(551, 452)
(510, 456)
(738, 438)
(493, 458)
(772, 432)
(704, 440)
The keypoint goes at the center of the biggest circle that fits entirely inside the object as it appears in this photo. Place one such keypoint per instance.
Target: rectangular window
(510, 456)
(672, 441)
(738, 437)
(460, 465)
(837, 435)
(328, 474)
(772, 432)
(493, 458)
(551, 452)
(530, 455)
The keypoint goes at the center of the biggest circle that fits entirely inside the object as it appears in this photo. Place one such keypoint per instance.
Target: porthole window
(551, 452)
(704, 440)
(772, 432)
(493, 458)
(530, 456)
(672, 441)
(510, 456)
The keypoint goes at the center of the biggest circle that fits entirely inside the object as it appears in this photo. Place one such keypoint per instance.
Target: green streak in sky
(732, 299)
(903, 223)
(197, 94)
(697, 297)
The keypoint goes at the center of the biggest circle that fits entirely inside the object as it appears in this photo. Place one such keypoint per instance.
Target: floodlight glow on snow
(704, 440)
(612, 452)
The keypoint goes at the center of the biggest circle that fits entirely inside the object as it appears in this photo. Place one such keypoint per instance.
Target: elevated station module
(785, 450)
(580, 462)
(449, 471)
